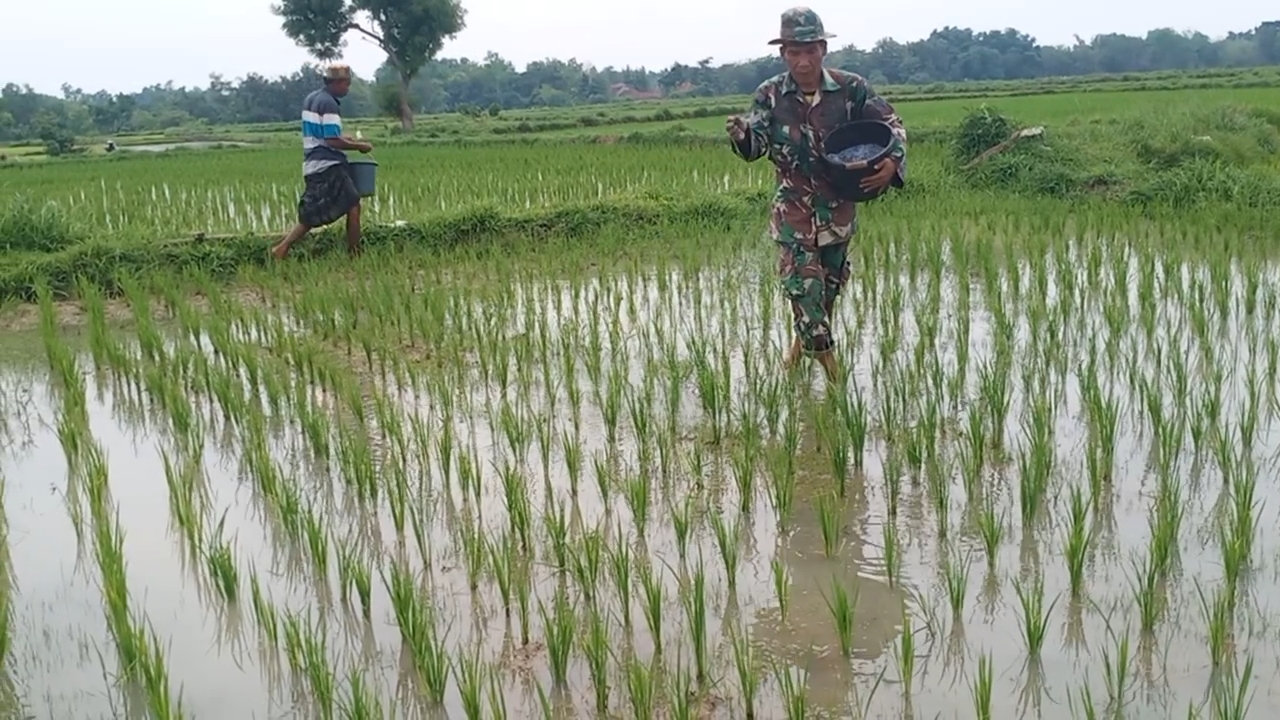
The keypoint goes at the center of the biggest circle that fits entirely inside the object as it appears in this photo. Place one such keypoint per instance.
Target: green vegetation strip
(612, 225)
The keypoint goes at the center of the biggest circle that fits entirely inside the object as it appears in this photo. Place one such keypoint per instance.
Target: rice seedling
(996, 392)
(1087, 710)
(222, 565)
(559, 626)
(419, 632)
(641, 690)
(694, 600)
(856, 427)
(571, 448)
(727, 542)
(522, 580)
(681, 699)
(497, 696)
(904, 655)
(991, 529)
(315, 663)
(154, 675)
(586, 561)
(264, 614)
(781, 585)
(1237, 529)
(981, 688)
(792, 684)
(596, 649)
(695, 463)
(1217, 613)
(1165, 522)
(1033, 616)
(556, 522)
(1117, 666)
(955, 575)
(841, 604)
(603, 476)
(939, 482)
(518, 506)
(469, 671)
(501, 559)
(638, 494)
(620, 564)
(892, 552)
(682, 519)
(1035, 464)
(1078, 540)
(893, 471)
(359, 701)
(838, 451)
(743, 464)
(745, 662)
(473, 552)
(317, 539)
(1147, 593)
(829, 522)
(652, 588)
(1231, 698)
(782, 485)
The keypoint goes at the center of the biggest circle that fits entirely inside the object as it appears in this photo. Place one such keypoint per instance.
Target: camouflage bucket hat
(801, 25)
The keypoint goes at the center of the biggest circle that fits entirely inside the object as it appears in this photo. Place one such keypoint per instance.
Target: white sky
(126, 44)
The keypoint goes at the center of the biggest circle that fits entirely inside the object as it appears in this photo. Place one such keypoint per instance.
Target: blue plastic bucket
(364, 173)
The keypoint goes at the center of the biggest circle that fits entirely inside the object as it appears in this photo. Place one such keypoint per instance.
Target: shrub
(981, 129)
(26, 227)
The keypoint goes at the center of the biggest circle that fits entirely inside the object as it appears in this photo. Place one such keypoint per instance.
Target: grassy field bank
(533, 454)
(1204, 152)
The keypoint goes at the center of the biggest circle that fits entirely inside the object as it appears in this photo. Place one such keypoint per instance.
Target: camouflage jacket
(788, 129)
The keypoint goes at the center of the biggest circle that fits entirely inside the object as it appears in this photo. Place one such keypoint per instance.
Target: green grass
(60, 227)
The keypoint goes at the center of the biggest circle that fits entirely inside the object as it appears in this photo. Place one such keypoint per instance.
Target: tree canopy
(410, 32)
(448, 84)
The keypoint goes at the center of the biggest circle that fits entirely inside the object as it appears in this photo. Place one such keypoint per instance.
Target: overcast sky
(124, 45)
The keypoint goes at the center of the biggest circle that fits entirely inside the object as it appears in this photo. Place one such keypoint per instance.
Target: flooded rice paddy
(533, 489)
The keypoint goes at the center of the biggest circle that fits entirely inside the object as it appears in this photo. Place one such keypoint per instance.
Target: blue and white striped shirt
(321, 120)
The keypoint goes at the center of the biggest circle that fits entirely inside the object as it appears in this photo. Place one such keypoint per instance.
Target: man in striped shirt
(330, 192)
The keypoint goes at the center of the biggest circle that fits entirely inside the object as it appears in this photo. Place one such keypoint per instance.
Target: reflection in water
(806, 637)
(292, 518)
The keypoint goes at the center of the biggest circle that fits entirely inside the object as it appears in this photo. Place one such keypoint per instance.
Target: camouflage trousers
(812, 278)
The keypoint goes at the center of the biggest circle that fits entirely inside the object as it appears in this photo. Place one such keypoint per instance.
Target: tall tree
(410, 32)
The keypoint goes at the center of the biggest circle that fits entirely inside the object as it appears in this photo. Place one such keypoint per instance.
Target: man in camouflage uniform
(789, 116)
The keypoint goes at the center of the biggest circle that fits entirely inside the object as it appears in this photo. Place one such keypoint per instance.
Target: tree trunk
(406, 112)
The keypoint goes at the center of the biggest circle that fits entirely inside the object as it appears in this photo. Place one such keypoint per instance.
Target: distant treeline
(493, 84)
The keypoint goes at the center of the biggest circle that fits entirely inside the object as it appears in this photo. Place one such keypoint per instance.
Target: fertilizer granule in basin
(856, 153)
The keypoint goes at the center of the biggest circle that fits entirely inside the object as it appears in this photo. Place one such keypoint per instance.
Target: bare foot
(793, 355)
(279, 252)
(828, 362)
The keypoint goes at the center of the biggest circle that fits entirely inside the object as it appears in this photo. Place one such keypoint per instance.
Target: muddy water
(62, 660)
(64, 649)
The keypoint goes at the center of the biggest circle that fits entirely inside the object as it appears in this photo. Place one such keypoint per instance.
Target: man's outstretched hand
(736, 126)
(881, 178)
